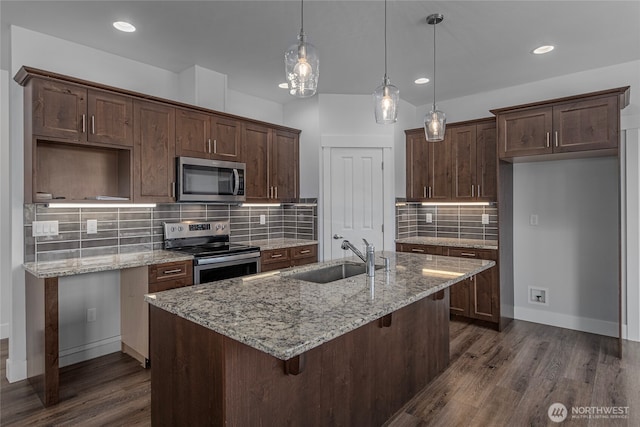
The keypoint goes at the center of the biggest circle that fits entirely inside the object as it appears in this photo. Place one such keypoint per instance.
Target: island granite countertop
(451, 242)
(285, 317)
(69, 267)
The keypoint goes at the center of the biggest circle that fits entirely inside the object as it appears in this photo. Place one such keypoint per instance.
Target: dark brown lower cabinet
(277, 259)
(477, 297)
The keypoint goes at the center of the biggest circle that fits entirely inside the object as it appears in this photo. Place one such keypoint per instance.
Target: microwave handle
(236, 182)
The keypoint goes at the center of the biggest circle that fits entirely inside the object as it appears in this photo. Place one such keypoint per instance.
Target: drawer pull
(417, 250)
(276, 255)
(467, 254)
(177, 270)
(306, 251)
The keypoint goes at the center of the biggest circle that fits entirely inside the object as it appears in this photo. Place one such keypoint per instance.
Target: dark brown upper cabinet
(428, 168)
(578, 126)
(474, 157)
(272, 159)
(75, 113)
(154, 152)
(207, 136)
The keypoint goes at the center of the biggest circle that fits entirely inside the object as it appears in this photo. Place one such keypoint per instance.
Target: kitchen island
(270, 349)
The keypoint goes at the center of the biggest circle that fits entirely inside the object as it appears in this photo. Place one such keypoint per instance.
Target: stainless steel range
(214, 257)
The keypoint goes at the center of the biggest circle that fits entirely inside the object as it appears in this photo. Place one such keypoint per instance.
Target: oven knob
(218, 226)
(179, 228)
(173, 229)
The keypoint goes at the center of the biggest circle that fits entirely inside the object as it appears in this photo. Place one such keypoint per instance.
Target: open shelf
(79, 173)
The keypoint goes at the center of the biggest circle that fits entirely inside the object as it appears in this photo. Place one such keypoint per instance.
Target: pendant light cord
(385, 42)
(434, 64)
(301, 16)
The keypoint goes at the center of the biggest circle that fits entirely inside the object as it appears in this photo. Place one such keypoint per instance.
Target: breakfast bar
(273, 349)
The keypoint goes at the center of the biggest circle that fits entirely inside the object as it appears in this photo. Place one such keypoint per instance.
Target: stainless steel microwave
(203, 180)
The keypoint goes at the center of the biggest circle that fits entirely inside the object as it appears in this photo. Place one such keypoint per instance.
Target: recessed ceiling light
(283, 86)
(124, 26)
(543, 49)
(421, 81)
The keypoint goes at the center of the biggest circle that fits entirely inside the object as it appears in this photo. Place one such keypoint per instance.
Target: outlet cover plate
(485, 219)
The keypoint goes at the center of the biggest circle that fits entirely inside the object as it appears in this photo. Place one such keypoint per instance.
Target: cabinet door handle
(215, 145)
(276, 187)
(473, 192)
(209, 145)
(84, 123)
(479, 194)
(276, 255)
(420, 251)
(556, 138)
(548, 139)
(467, 254)
(173, 190)
(424, 192)
(93, 125)
(429, 191)
(306, 251)
(271, 192)
(177, 270)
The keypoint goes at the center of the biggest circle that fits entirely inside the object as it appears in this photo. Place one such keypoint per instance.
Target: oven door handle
(236, 182)
(227, 258)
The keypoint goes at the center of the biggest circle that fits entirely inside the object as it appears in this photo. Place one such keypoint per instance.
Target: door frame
(385, 143)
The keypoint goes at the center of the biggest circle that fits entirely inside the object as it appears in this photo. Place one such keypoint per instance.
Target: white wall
(304, 114)
(253, 107)
(5, 209)
(589, 319)
(573, 251)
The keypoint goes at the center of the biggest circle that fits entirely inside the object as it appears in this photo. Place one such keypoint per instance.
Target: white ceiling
(481, 45)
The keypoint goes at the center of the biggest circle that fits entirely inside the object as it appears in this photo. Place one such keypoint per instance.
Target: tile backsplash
(452, 221)
(126, 230)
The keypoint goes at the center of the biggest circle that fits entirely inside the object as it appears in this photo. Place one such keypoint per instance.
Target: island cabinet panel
(200, 377)
(154, 152)
(277, 259)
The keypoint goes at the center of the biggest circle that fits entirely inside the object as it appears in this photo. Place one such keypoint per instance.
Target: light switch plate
(485, 219)
(533, 220)
(44, 228)
(92, 226)
(263, 219)
(429, 218)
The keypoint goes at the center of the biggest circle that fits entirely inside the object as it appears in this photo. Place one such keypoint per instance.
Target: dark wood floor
(495, 379)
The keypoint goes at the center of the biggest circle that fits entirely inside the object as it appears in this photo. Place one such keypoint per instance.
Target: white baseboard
(16, 371)
(4, 330)
(89, 351)
(584, 324)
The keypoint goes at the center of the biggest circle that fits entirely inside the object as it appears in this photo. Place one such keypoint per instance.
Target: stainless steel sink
(332, 273)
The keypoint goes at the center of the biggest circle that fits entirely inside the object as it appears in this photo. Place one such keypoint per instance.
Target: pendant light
(302, 64)
(434, 120)
(387, 96)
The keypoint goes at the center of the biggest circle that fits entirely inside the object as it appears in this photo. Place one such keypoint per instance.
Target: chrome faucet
(368, 258)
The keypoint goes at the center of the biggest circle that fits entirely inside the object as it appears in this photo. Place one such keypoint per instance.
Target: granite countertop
(453, 242)
(268, 244)
(94, 264)
(284, 317)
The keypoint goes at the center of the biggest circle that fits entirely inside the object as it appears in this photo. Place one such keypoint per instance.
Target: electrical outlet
(44, 228)
(485, 219)
(92, 226)
(263, 219)
(429, 218)
(533, 220)
(91, 315)
(538, 296)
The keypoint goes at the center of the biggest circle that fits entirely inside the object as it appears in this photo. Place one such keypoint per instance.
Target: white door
(356, 198)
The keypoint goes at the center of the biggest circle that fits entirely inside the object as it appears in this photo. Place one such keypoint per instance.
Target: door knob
(337, 236)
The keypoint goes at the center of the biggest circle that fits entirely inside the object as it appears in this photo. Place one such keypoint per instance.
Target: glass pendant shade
(386, 99)
(302, 66)
(434, 125)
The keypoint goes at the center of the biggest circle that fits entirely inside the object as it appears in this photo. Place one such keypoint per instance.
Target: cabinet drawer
(474, 253)
(274, 255)
(180, 270)
(421, 249)
(310, 251)
(169, 284)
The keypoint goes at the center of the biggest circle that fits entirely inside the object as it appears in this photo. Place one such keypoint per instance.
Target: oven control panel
(186, 229)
